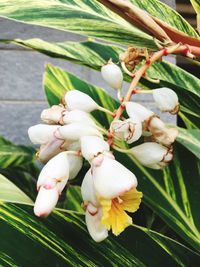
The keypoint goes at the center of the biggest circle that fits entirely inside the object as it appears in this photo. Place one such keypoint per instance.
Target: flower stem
(106, 110)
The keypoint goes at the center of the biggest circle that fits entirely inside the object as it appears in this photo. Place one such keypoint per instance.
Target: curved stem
(106, 110)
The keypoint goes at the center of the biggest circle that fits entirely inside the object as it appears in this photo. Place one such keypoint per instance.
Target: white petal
(75, 131)
(56, 169)
(112, 74)
(75, 99)
(75, 165)
(45, 202)
(87, 189)
(41, 133)
(135, 109)
(112, 179)
(149, 153)
(77, 116)
(73, 146)
(91, 146)
(49, 150)
(165, 98)
(52, 115)
(97, 230)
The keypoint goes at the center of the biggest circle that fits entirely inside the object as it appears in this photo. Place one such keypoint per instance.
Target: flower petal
(97, 230)
(77, 116)
(87, 189)
(112, 74)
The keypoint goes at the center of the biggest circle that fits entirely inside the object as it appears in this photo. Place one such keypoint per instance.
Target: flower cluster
(70, 135)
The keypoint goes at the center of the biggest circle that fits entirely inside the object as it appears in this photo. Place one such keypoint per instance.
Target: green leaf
(13, 155)
(190, 139)
(73, 199)
(94, 55)
(158, 187)
(196, 5)
(11, 193)
(62, 240)
(85, 17)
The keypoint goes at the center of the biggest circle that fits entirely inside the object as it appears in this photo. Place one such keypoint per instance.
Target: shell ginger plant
(117, 155)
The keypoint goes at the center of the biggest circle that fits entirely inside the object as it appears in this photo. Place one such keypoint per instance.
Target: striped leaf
(157, 186)
(91, 18)
(13, 155)
(196, 5)
(86, 17)
(94, 55)
(11, 193)
(166, 14)
(190, 139)
(62, 240)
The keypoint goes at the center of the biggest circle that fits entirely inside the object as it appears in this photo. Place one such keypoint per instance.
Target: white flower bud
(112, 179)
(92, 146)
(134, 109)
(56, 169)
(151, 153)
(50, 149)
(52, 115)
(75, 131)
(75, 99)
(41, 133)
(127, 130)
(77, 116)
(166, 100)
(112, 74)
(95, 228)
(46, 201)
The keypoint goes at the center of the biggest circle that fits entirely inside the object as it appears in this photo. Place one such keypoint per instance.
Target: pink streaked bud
(51, 149)
(135, 109)
(46, 201)
(76, 99)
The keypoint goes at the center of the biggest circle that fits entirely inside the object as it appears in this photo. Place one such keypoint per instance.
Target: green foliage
(172, 194)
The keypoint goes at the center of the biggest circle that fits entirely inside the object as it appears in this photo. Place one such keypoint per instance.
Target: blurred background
(21, 71)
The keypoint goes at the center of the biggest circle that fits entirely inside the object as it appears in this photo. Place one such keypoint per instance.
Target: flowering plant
(107, 157)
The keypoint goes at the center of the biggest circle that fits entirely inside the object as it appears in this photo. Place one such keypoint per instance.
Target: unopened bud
(77, 116)
(152, 155)
(49, 150)
(56, 169)
(75, 131)
(52, 115)
(46, 201)
(135, 109)
(75, 99)
(92, 146)
(127, 130)
(112, 74)
(166, 100)
(41, 133)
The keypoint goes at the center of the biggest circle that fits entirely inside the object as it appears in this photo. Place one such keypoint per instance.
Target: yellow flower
(114, 216)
